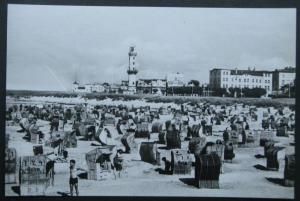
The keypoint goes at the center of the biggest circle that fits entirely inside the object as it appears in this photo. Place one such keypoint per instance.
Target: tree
(196, 83)
(220, 92)
(185, 90)
(254, 92)
(289, 90)
(235, 91)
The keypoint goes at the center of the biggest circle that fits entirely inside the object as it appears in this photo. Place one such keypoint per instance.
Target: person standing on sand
(226, 135)
(73, 178)
(118, 162)
(168, 166)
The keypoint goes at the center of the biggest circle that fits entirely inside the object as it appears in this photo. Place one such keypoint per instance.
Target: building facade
(152, 86)
(124, 85)
(283, 77)
(234, 78)
(88, 88)
(175, 80)
(95, 87)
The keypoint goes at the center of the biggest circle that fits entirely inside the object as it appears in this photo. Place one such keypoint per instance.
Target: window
(268, 87)
(133, 63)
(256, 80)
(259, 81)
(239, 80)
(268, 81)
(252, 80)
(245, 80)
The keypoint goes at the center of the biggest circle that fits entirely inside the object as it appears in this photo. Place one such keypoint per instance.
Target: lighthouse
(132, 71)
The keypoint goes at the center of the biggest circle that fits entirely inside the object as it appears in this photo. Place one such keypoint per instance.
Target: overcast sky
(50, 46)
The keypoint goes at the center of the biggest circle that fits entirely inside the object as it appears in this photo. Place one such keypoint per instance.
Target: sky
(48, 47)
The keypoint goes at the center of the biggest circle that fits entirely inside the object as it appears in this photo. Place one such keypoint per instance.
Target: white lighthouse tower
(75, 86)
(132, 71)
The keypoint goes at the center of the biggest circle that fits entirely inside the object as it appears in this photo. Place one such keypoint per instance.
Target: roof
(149, 80)
(94, 84)
(287, 70)
(244, 72)
(249, 72)
(220, 69)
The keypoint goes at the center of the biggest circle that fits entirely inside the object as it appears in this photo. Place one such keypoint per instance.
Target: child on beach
(73, 178)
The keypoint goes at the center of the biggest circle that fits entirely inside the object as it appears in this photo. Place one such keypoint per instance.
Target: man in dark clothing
(247, 126)
(91, 132)
(118, 162)
(203, 124)
(225, 135)
(54, 123)
(168, 166)
(119, 127)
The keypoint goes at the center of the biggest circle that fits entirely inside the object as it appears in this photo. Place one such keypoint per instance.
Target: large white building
(227, 78)
(282, 77)
(88, 88)
(175, 79)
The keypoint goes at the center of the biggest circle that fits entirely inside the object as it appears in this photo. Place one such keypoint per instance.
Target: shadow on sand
(189, 181)
(259, 156)
(278, 181)
(164, 148)
(63, 194)
(261, 167)
(16, 189)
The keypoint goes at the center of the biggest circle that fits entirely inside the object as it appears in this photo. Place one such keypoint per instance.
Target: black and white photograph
(150, 101)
